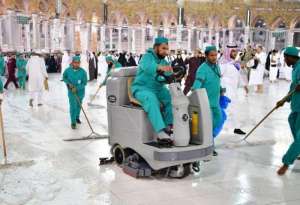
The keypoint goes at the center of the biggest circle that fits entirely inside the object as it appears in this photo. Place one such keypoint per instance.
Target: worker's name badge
(79, 81)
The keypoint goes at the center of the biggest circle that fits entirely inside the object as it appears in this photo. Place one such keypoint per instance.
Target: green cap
(109, 59)
(291, 51)
(161, 40)
(76, 59)
(210, 48)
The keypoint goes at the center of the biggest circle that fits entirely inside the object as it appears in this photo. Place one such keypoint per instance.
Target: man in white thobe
(230, 77)
(102, 67)
(37, 74)
(257, 74)
(65, 62)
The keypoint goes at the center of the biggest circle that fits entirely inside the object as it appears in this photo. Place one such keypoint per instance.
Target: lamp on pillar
(180, 5)
(248, 24)
(105, 12)
(58, 8)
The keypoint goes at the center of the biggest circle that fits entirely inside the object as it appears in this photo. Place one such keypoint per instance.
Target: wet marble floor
(67, 173)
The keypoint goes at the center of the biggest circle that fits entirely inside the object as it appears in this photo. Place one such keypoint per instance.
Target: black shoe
(165, 143)
(78, 121)
(239, 132)
(215, 153)
(298, 158)
(73, 126)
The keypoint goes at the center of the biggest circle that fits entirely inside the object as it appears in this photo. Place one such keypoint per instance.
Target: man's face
(289, 60)
(76, 64)
(233, 54)
(212, 57)
(162, 50)
(258, 49)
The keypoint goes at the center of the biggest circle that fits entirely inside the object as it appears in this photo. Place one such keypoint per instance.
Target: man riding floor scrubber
(153, 128)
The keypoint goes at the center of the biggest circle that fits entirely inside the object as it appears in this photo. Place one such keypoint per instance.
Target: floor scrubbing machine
(132, 138)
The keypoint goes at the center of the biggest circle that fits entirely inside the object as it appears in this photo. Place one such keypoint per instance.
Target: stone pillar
(1, 33)
(230, 37)
(47, 37)
(210, 35)
(201, 35)
(72, 34)
(10, 29)
(247, 36)
(110, 38)
(102, 43)
(55, 37)
(35, 32)
(189, 40)
(119, 39)
(133, 47)
(290, 38)
(217, 39)
(224, 43)
(28, 38)
(89, 36)
(143, 39)
(179, 36)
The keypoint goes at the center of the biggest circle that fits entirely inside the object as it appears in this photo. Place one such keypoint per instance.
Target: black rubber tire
(119, 154)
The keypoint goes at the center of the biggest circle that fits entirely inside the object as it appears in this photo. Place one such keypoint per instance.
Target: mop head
(95, 106)
(240, 144)
(14, 165)
(92, 136)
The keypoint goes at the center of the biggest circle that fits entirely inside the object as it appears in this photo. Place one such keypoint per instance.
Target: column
(28, 38)
(200, 36)
(290, 38)
(1, 32)
(224, 39)
(119, 39)
(217, 39)
(110, 39)
(9, 29)
(143, 39)
(89, 36)
(247, 36)
(189, 40)
(72, 34)
(230, 37)
(179, 36)
(35, 32)
(210, 35)
(46, 30)
(103, 37)
(133, 41)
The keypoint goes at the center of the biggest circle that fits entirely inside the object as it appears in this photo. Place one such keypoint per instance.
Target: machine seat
(132, 100)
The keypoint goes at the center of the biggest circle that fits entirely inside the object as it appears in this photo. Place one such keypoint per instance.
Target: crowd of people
(220, 72)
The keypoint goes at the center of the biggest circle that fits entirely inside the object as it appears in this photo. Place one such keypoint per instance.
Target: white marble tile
(68, 172)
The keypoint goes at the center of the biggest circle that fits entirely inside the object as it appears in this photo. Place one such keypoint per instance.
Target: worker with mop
(208, 76)
(21, 74)
(75, 78)
(291, 57)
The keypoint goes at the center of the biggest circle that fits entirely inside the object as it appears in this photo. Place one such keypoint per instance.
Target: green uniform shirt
(208, 77)
(147, 72)
(77, 78)
(21, 65)
(2, 65)
(295, 99)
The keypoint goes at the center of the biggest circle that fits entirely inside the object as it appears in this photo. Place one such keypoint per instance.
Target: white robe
(65, 62)
(230, 80)
(257, 75)
(37, 73)
(85, 64)
(274, 60)
(102, 67)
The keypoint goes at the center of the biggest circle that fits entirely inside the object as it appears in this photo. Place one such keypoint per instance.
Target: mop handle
(87, 119)
(2, 135)
(94, 96)
(275, 108)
